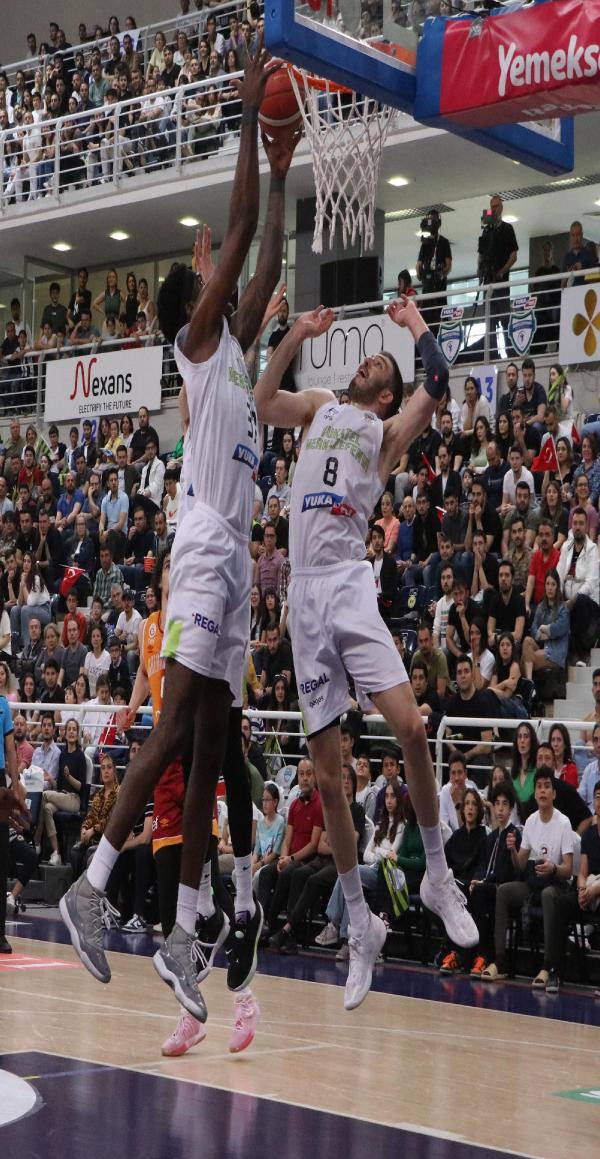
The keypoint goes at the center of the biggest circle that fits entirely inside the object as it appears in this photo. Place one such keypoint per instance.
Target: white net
(346, 133)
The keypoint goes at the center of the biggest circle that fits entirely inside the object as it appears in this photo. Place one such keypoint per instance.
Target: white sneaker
(55, 858)
(448, 902)
(11, 904)
(364, 951)
(329, 936)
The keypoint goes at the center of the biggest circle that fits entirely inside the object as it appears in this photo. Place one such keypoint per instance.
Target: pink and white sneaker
(188, 1032)
(247, 1014)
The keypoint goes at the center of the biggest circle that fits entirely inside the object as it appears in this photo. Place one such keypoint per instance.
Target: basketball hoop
(346, 133)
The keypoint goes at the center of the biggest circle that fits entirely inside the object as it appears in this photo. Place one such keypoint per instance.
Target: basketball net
(346, 133)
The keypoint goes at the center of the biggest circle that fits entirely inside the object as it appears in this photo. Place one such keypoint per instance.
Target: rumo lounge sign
(542, 61)
(103, 384)
(331, 360)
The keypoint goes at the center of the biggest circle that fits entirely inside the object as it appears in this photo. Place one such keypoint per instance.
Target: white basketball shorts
(336, 628)
(208, 617)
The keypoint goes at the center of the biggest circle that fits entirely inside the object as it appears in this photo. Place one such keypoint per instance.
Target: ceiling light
(511, 219)
(62, 247)
(119, 235)
(190, 222)
(398, 182)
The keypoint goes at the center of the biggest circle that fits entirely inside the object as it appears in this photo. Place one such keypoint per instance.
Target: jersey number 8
(330, 473)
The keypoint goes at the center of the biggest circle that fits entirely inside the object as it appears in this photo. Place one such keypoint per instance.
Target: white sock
(358, 910)
(186, 908)
(206, 905)
(102, 865)
(437, 866)
(244, 898)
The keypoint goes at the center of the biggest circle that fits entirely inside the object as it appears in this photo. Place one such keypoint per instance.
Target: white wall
(35, 15)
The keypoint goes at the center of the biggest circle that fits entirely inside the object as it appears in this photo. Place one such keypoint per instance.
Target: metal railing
(165, 129)
(193, 25)
(542, 726)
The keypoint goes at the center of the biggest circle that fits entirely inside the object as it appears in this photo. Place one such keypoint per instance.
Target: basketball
(279, 107)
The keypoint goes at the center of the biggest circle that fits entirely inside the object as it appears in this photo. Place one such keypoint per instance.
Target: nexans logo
(87, 383)
(307, 686)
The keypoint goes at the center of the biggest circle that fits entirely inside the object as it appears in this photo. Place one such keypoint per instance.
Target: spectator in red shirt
(543, 560)
(565, 768)
(304, 827)
(73, 614)
(30, 473)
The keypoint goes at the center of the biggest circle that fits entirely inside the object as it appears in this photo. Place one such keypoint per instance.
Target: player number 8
(331, 471)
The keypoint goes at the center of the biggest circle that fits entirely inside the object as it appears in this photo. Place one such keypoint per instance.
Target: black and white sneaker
(241, 948)
(211, 933)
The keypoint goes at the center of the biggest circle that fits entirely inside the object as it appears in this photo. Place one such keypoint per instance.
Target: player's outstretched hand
(280, 149)
(272, 307)
(256, 74)
(315, 323)
(125, 719)
(402, 310)
(13, 810)
(202, 255)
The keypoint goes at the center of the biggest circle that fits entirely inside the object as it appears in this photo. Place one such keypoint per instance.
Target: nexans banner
(103, 384)
(538, 62)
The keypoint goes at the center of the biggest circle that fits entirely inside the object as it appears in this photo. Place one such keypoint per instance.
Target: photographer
(496, 255)
(433, 265)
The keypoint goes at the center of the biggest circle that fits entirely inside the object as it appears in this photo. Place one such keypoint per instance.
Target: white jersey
(187, 492)
(335, 487)
(223, 431)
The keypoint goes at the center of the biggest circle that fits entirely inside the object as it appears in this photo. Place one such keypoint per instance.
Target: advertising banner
(331, 360)
(580, 325)
(539, 62)
(90, 385)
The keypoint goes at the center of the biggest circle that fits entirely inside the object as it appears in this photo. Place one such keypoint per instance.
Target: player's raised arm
(401, 430)
(279, 406)
(247, 319)
(205, 324)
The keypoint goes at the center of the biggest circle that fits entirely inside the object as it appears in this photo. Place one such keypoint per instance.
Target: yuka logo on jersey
(246, 455)
(328, 501)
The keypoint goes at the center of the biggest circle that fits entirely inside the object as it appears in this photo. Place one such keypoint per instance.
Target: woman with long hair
(504, 435)
(482, 435)
(145, 305)
(473, 407)
(389, 522)
(33, 601)
(110, 301)
(560, 396)
(66, 797)
(289, 452)
(82, 689)
(269, 613)
(524, 752)
(547, 645)
(270, 831)
(589, 466)
(27, 694)
(157, 56)
(483, 659)
(505, 678)
(52, 650)
(131, 299)
(255, 615)
(5, 634)
(127, 434)
(8, 683)
(232, 105)
(564, 766)
(97, 660)
(553, 511)
(564, 475)
(280, 701)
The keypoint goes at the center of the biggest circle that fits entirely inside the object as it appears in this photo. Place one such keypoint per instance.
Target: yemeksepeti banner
(580, 324)
(331, 360)
(538, 62)
(103, 384)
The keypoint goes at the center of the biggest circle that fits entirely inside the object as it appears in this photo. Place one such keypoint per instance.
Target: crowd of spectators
(78, 86)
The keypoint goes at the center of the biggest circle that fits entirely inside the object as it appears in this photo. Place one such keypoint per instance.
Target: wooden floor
(480, 1075)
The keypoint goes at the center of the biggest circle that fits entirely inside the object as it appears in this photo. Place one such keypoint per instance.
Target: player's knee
(413, 730)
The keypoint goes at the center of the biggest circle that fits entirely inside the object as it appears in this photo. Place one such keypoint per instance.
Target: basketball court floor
(427, 1068)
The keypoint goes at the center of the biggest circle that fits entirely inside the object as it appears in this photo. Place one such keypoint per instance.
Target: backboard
(357, 43)
(392, 50)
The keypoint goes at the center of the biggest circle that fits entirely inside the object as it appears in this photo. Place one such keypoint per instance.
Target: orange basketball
(279, 107)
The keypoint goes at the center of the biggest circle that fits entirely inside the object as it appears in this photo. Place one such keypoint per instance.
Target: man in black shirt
(82, 298)
(139, 542)
(140, 438)
(288, 382)
(507, 608)
(118, 673)
(452, 441)
(433, 265)
(427, 444)
(277, 662)
(496, 255)
(54, 313)
(511, 375)
(28, 538)
(482, 517)
(472, 702)
(171, 71)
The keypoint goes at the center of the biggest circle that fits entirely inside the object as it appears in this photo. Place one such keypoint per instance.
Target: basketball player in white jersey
(347, 455)
(206, 634)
